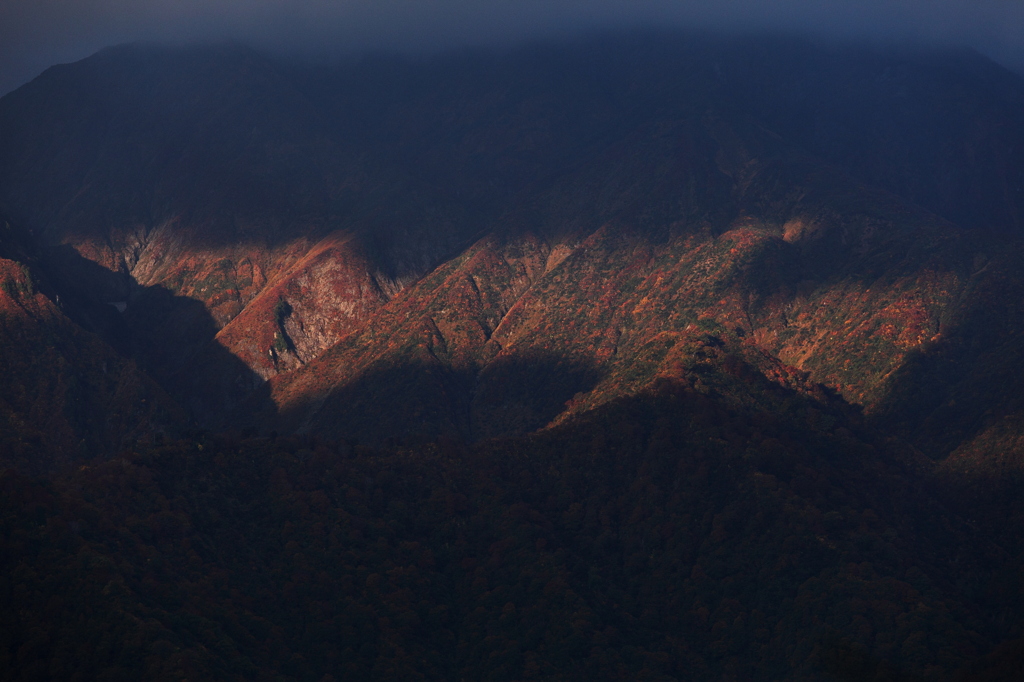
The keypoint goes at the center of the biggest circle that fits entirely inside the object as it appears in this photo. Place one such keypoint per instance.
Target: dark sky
(37, 33)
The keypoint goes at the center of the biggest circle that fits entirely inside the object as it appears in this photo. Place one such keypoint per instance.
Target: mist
(35, 34)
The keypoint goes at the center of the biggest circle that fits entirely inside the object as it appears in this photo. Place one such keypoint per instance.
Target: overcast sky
(37, 33)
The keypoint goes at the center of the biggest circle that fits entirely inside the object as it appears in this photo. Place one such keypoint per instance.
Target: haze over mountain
(656, 354)
(34, 35)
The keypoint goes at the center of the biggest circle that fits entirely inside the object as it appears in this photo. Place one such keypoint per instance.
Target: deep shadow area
(844, 662)
(170, 337)
(953, 387)
(67, 396)
(518, 395)
(429, 400)
(644, 540)
(88, 292)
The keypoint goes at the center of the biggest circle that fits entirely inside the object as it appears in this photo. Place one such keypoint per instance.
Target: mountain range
(647, 356)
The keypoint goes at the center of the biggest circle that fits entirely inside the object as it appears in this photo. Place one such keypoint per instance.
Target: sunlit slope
(210, 184)
(716, 229)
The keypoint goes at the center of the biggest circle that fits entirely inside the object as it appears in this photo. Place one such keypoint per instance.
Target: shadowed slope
(675, 534)
(66, 396)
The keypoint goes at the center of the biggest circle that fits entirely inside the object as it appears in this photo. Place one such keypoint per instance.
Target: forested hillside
(650, 356)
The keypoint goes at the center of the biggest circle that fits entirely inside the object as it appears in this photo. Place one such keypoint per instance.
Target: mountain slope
(66, 395)
(833, 278)
(671, 535)
(214, 174)
(642, 357)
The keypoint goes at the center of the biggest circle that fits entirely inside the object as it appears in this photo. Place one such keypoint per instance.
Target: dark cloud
(37, 33)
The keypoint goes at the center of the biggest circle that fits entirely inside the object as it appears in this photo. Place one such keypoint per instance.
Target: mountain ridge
(650, 356)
